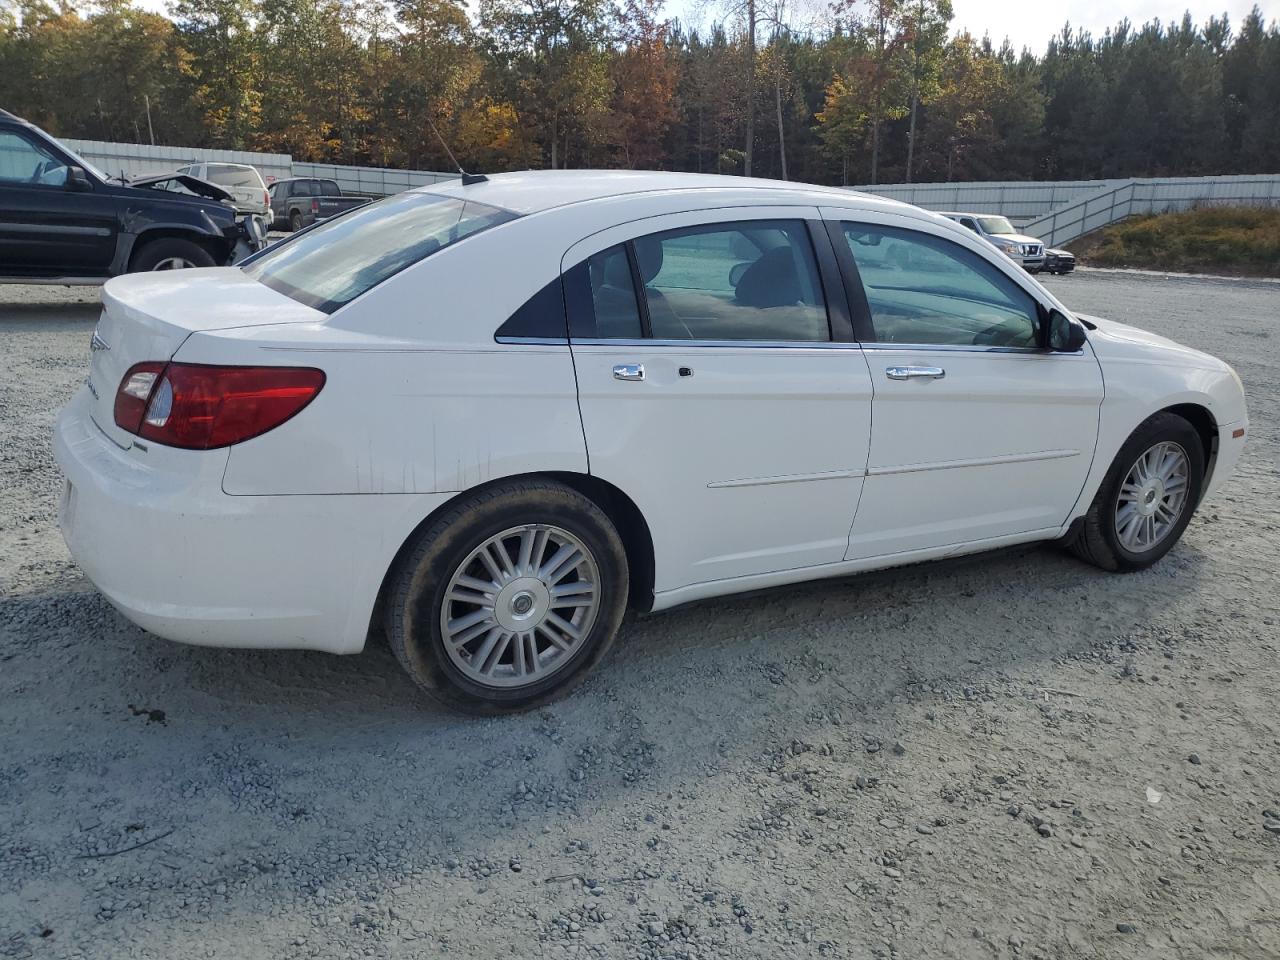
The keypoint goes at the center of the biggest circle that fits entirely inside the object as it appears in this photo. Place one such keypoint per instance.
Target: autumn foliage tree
(876, 90)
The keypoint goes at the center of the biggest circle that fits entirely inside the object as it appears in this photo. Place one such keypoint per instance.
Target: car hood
(1112, 339)
(1015, 237)
(1057, 252)
(197, 186)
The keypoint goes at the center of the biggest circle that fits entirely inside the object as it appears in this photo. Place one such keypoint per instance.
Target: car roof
(533, 191)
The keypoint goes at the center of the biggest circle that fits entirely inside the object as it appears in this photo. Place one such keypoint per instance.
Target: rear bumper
(180, 558)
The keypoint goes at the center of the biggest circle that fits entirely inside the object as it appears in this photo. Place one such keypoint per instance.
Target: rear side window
(333, 263)
(748, 280)
(232, 175)
(613, 295)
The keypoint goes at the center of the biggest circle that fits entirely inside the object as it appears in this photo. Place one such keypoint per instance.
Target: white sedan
(487, 417)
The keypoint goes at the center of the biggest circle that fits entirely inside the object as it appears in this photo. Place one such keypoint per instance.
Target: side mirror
(1065, 335)
(77, 179)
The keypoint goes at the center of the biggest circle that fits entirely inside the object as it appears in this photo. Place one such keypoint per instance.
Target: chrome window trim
(815, 345)
(723, 344)
(558, 341)
(967, 348)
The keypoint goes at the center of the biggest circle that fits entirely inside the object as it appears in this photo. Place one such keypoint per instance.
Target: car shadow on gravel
(854, 638)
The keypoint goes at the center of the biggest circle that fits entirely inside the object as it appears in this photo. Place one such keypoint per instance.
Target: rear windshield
(233, 175)
(334, 262)
(329, 188)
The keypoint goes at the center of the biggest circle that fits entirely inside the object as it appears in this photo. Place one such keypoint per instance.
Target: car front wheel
(1147, 497)
(172, 253)
(508, 598)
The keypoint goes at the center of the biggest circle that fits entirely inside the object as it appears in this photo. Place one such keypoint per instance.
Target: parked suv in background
(298, 202)
(1000, 233)
(242, 181)
(65, 221)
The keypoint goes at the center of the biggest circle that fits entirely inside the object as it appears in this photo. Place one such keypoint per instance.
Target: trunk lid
(147, 316)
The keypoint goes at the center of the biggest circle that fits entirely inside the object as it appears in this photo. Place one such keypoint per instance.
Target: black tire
(295, 221)
(1096, 540)
(417, 587)
(154, 255)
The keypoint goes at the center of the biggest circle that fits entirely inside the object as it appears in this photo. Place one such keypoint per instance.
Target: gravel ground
(1014, 755)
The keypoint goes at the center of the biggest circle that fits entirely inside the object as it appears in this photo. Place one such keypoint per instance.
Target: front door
(979, 433)
(47, 229)
(719, 388)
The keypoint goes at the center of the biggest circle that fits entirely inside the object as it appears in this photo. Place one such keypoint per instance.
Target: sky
(1030, 23)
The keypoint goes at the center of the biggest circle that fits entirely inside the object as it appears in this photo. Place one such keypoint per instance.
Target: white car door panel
(1001, 444)
(745, 457)
(977, 433)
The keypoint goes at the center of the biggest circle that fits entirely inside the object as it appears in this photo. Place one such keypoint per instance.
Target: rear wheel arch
(621, 510)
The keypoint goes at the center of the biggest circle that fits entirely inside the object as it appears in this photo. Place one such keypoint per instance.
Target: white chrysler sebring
(487, 416)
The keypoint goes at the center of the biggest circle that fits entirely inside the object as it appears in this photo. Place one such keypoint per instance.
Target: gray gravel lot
(1014, 755)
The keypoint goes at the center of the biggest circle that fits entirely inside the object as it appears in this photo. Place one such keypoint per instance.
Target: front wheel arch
(1202, 420)
(216, 246)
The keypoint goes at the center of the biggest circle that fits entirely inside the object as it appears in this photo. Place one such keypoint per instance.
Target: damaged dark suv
(64, 221)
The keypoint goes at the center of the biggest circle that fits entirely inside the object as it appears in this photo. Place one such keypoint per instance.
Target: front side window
(922, 289)
(751, 280)
(333, 263)
(22, 161)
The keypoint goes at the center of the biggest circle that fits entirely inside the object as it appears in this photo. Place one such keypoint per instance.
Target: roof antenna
(467, 178)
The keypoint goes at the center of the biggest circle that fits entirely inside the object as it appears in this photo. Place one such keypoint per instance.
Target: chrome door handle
(915, 373)
(628, 371)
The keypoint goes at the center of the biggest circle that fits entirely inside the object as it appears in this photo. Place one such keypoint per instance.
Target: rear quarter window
(331, 264)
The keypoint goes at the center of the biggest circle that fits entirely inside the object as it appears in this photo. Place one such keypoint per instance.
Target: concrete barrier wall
(1020, 201)
(1129, 197)
(137, 159)
(1024, 202)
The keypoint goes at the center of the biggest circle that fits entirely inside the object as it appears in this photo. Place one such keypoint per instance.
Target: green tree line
(883, 92)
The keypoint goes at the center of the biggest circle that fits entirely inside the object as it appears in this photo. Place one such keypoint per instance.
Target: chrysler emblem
(97, 343)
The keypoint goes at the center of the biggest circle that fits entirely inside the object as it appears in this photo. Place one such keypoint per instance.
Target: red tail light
(201, 407)
(315, 206)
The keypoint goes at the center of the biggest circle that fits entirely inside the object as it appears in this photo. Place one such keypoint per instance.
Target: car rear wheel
(171, 253)
(1147, 498)
(507, 599)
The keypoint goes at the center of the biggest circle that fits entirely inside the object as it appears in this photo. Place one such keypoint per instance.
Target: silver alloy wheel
(1152, 497)
(520, 605)
(174, 263)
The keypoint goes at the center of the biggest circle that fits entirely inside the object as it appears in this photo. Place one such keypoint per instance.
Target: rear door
(46, 228)
(720, 389)
(979, 432)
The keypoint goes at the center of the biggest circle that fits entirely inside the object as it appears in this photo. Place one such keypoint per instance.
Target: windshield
(996, 225)
(81, 161)
(334, 262)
